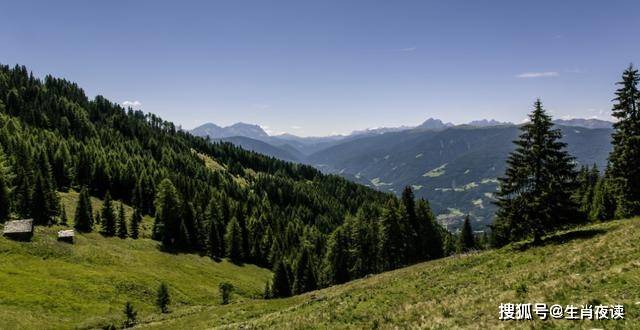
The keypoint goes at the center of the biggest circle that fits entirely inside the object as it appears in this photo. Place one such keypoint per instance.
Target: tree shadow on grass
(561, 238)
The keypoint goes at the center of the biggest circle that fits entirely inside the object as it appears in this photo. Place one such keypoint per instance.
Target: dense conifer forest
(214, 199)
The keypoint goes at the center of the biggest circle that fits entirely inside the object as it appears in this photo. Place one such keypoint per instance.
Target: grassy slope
(48, 284)
(597, 264)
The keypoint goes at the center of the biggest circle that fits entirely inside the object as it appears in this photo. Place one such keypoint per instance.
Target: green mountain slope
(54, 285)
(455, 169)
(596, 264)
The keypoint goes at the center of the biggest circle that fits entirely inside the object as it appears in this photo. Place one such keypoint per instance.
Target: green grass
(595, 264)
(49, 284)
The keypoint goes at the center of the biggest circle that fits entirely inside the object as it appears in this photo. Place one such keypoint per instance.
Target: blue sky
(322, 67)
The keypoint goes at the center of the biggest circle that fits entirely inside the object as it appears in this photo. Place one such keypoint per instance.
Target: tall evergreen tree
(430, 243)
(233, 241)
(305, 279)
(122, 223)
(603, 204)
(40, 202)
(391, 238)
(534, 196)
(83, 219)
(136, 219)
(411, 225)
(167, 223)
(108, 216)
(63, 216)
(214, 240)
(5, 191)
(466, 241)
(280, 286)
(624, 160)
(336, 262)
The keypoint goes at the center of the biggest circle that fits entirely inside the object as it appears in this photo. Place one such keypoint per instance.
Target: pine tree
(304, 278)
(163, 298)
(108, 217)
(5, 191)
(281, 286)
(363, 241)
(603, 205)
(122, 223)
(167, 223)
(391, 238)
(136, 219)
(63, 167)
(624, 160)
(40, 203)
(336, 262)
(430, 242)
(233, 241)
(83, 219)
(467, 241)
(411, 226)
(130, 314)
(214, 240)
(63, 216)
(534, 197)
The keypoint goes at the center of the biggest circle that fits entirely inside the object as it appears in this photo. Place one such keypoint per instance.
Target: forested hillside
(456, 169)
(208, 198)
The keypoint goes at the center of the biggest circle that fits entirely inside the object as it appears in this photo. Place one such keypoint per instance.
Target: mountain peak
(238, 129)
(434, 124)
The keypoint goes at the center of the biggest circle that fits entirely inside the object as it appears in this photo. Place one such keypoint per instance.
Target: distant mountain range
(586, 123)
(454, 167)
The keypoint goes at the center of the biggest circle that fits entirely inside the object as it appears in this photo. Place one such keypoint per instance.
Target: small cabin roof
(66, 233)
(18, 226)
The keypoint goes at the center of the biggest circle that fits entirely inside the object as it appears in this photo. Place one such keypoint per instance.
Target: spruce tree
(603, 204)
(305, 279)
(411, 226)
(214, 241)
(391, 239)
(167, 223)
(63, 216)
(83, 219)
(624, 160)
(108, 217)
(466, 241)
(233, 241)
(430, 242)
(534, 196)
(163, 299)
(336, 262)
(40, 203)
(5, 191)
(136, 219)
(122, 223)
(130, 314)
(280, 286)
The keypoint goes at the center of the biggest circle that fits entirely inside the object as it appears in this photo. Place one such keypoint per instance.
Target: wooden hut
(66, 236)
(20, 230)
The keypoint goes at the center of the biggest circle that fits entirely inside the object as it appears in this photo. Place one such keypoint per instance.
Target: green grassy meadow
(596, 264)
(49, 284)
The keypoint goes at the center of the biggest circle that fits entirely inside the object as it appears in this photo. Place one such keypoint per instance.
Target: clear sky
(322, 67)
